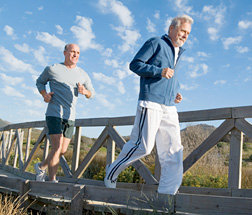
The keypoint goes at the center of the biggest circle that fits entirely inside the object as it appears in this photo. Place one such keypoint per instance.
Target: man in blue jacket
(157, 118)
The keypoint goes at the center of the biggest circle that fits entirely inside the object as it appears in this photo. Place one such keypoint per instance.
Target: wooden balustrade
(11, 142)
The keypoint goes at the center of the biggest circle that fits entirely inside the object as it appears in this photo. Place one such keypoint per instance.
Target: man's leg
(170, 152)
(141, 142)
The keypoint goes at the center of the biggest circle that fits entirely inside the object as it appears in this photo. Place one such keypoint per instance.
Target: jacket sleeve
(88, 85)
(139, 64)
(42, 80)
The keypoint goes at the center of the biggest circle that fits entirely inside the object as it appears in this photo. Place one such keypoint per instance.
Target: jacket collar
(168, 40)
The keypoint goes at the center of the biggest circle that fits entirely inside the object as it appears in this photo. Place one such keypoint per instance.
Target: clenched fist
(167, 73)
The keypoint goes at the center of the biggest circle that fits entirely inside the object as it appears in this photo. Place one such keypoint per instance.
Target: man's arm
(82, 90)
(47, 96)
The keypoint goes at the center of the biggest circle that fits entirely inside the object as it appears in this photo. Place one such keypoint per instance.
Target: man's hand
(47, 96)
(82, 90)
(178, 98)
(167, 73)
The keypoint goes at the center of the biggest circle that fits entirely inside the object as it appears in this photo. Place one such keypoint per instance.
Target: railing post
(76, 149)
(235, 159)
(110, 150)
(27, 152)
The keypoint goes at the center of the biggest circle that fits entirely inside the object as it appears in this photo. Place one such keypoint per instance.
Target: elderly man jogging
(156, 118)
(66, 81)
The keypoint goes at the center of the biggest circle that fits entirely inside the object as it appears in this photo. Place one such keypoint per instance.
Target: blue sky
(216, 69)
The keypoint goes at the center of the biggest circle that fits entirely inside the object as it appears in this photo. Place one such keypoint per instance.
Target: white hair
(176, 22)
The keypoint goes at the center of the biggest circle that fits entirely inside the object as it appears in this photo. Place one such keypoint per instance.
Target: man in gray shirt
(66, 81)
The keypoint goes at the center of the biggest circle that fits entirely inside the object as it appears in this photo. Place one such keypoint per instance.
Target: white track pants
(160, 125)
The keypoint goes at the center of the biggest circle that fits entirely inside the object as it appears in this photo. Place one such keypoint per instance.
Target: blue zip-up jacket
(155, 55)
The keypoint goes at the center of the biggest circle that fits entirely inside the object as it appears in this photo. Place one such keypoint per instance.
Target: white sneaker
(54, 181)
(40, 174)
(109, 183)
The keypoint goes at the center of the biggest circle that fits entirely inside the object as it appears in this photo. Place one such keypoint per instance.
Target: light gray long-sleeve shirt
(63, 83)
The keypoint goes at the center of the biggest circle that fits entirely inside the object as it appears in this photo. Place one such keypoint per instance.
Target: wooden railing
(234, 122)
(231, 200)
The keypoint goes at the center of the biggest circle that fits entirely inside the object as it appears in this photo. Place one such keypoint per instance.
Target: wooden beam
(76, 149)
(110, 151)
(244, 126)
(35, 124)
(242, 112)
(77, 200)
(11, 149)
(235, 159)
(35, 148)
(219, 205)
(20, 138)
(91, 154)
(66, 169)
(212, 140)
(28, 143)
(138, 165)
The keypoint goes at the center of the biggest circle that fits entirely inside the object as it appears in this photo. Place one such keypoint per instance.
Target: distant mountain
(3, 123)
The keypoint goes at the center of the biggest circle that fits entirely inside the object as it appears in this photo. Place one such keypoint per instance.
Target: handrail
(234, 120)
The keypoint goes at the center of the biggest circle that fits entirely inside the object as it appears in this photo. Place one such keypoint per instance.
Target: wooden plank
(35, 148)
(11, 182)
(20, 137)
(28, 143)
(203, 204)
(46, 147)
(76, 149)
(77, 200)
(244, 126)
(205, 115)
(35, 124)
(138, 165)
(242, 112)
(235, 159)
(66, 169)
(91, 154)
(206, 191)
(3, 147)
(110, 151)
(128, 197)
(242, 193)
(212, 140)
(11, 149)
(157, 170)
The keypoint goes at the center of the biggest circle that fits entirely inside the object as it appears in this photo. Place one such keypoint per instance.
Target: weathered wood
(218, 205)
(138, 165)
(206, 191)
(35, 148)
(3, 147)
(242, 193)
(205, 115)
(110, 151)
(91, 154)
(66, 169)
(20, 138)
(11, 149)
(35, 124)
(77, 200)
(141, 200)
(244, 126)
(235, 159)
(242, 112)
(76, 149)
(46, 147)
(212, 140)
(28, 143)
(157, 171)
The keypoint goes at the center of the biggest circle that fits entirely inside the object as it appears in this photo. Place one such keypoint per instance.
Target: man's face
(72, 54)
(180, 34)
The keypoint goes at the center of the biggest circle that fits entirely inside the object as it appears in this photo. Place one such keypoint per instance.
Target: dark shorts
(57, 125)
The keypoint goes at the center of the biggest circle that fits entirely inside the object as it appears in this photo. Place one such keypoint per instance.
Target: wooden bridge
(79, 194)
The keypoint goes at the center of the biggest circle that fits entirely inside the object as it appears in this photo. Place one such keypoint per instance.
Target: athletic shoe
(54, 181)
(109, 183)
(40, 174)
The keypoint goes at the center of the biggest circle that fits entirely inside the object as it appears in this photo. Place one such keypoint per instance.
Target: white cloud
(213, 33)
(121, 88)
(157, 15)
(103, 78)
(120, 74)
(112, 63)
(84, 34)
(167, 24)
(10, 91)
(102, 99)
(245, 24)
(11, 63)
(11, 80)
(23, 48)
(231, 40)
(59, 29)
(9, 31)
(182, 7)
(220, 82)
(242, 49)
(32, 89)
(51, 40)
(117, 7)
(107, 52)
(187, 88)
(34, 103)
(202, 54)
(39, 56)
(150, 26)
(28, 12)
(188, 59)
(129, 37)
(198, 70)
(40, 8)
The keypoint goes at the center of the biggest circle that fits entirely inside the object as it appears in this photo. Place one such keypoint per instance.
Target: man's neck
(70, 66)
